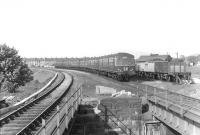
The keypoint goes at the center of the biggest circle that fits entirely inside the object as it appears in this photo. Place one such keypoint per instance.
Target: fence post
(137, 90)
(84, 129)
(77, 98)
(44, 127)
(75, 101)
(166, 99)
(155, 95)
(146, 92)
(181, 103)
(72, 105)
(130, 131)
(106, 115)
(79, 94)
(67, 115)
(58, 120)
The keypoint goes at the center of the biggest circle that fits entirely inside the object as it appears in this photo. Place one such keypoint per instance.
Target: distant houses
(154, 57)
(49, 62)
(40, 62)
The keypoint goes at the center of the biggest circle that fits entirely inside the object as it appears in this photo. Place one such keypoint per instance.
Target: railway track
(28, 118)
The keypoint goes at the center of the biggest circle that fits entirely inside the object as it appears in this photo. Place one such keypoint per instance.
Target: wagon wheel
(126, 78)
(178, 80)
(119, 77)
(158, 76)
(168, 78)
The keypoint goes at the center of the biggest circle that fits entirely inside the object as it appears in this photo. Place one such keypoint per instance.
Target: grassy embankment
(41, 77)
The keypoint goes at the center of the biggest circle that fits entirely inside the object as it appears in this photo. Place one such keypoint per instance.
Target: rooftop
(154, 57)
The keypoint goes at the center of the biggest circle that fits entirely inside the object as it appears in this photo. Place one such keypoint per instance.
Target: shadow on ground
(86, 122)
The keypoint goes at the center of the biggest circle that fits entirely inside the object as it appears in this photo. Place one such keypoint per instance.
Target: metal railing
(59, 121)
(109, 115)
(183, 102)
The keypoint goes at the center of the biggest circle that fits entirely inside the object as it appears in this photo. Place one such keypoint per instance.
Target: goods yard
(123, 67)
(119, 70)
(92, 85)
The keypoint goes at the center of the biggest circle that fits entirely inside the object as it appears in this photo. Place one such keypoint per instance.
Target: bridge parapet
(59, 121)
(178, 111)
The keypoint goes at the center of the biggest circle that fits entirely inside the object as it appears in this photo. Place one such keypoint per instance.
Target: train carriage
(122, 66)
(119, 66)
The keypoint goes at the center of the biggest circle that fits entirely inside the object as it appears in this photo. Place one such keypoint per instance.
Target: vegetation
(13, 71)
(193, 59)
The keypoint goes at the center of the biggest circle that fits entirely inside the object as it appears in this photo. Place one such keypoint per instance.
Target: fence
(59, 121)
(109, 116)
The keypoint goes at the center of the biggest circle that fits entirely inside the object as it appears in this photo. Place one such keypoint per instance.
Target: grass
(41, 78)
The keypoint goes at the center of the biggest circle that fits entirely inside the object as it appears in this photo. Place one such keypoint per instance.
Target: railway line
(28, 118)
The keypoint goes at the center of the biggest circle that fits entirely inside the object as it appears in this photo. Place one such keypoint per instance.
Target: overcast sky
(76, 28)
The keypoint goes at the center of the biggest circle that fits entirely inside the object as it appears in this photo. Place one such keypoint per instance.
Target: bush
(13, 70)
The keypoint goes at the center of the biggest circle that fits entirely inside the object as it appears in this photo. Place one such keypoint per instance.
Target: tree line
(193, 59)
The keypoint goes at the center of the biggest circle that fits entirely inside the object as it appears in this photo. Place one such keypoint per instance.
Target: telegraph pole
(177, 55)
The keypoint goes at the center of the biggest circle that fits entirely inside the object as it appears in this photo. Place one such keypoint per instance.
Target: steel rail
(23, 107)
(57, 82)
(26, 130)
(65, 115)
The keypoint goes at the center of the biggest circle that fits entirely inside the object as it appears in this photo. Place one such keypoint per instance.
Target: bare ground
(192, 90)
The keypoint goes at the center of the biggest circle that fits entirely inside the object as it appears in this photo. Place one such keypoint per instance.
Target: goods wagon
(175, 67)
(120, 66)
(159, 67)
(164, 70)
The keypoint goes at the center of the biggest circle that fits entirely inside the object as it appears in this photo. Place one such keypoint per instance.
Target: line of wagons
(123, 66)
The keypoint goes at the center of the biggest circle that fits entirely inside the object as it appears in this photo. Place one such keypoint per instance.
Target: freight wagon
(120, 66)
(163, 70)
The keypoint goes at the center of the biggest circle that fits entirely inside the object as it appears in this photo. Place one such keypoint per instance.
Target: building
(40, 62)
(154, 57)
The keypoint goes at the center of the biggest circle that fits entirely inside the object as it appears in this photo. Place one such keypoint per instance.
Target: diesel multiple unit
(120, 66)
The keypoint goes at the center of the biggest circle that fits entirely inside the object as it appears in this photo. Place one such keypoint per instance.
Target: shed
(154, 57)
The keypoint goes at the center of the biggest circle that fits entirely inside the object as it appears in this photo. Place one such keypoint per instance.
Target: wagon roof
(105, 56)
(119, 54)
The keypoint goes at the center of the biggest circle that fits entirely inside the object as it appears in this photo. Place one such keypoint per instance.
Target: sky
(77, 28)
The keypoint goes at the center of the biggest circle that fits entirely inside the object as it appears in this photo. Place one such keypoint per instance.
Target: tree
(192, 59)
(13, 71)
